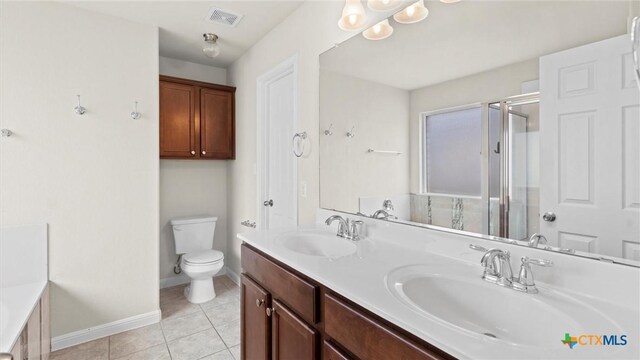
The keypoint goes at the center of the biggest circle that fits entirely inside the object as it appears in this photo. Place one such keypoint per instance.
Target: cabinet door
(16, 352)
(33, 334)
(292, 338)
(217, 136)
(177, 120)
(255, 329)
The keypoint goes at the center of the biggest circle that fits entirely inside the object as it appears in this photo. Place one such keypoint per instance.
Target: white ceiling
(470, 37)
(182, 24)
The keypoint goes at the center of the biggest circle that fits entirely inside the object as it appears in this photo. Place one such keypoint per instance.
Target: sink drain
(490, 335)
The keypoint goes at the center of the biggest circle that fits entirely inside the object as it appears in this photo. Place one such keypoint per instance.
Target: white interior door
(589, 149)
(277, 169)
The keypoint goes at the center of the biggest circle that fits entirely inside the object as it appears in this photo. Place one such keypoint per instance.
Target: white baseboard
(100, 331)
(233, 276)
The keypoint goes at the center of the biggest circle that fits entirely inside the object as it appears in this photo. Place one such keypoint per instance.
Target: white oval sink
(317, 243)
(458, 297)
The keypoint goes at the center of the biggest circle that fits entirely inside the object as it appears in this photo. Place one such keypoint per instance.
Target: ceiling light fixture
(379, 31)
(449, 1)
(412, 14)
(211, 47)
(382, 5)
(353, 16)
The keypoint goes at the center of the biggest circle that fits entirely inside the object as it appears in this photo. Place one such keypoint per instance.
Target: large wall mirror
(500, 118)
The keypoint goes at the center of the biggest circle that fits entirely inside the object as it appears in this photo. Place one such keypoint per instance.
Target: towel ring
(301, 136)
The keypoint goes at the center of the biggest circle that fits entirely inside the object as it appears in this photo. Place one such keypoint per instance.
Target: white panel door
(589, 152)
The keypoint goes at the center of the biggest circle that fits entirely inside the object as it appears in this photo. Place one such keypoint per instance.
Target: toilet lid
(203, 257)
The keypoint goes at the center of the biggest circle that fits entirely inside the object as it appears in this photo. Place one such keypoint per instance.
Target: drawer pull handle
(259, 302)
(193, 152)
(204, 152)
(270, 311)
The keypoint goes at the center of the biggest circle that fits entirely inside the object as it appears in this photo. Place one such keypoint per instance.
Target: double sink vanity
(414, 293)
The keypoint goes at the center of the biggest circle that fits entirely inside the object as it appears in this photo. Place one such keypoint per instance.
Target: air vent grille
(223, 17)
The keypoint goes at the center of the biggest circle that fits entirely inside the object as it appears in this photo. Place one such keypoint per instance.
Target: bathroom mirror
(501, 119)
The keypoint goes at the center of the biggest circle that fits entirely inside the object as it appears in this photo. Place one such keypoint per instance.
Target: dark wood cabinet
(255, 333)
(308, 321)
(197, 120)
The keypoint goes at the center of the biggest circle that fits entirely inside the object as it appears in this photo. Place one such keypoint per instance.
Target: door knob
(549, 217)
(204, 152)
(193, 152)
(259, 302)
(268, 203)
(270, 311)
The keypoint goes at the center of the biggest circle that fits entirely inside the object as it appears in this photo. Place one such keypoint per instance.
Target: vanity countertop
(16, 304)
(361, 277)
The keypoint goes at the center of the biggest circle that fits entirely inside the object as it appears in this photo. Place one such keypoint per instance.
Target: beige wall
(489, 86)
(380, 117)
(93, 178)
(189, 187)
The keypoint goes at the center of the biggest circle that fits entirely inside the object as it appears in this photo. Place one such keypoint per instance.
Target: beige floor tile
(230, 333)
(229, 283)
(235, 351)
(135, 340)
(223, 297)
(185, 325)
(95, 350)
(177, 307)
(220, 355)
(223, 314)
(219, 282)
(158, 352)
(196, 346)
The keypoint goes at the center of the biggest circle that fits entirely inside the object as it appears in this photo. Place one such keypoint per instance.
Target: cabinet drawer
(299, 295)
(367, 338)
(331, 352)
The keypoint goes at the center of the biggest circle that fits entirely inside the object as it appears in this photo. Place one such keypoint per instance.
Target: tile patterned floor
(209, 331)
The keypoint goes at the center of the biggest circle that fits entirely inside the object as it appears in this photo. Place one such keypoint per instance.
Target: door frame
(287, 67)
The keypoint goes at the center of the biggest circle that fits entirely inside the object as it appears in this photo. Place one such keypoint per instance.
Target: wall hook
(135, 115)
(6, 132)
(328, 132)
(351, 134)
(80, 110)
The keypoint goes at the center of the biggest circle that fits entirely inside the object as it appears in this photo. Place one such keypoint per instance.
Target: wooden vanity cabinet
(34, 342)
(197, 120)
(286, 315)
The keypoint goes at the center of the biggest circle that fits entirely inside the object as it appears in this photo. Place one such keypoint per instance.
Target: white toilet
(194, 240)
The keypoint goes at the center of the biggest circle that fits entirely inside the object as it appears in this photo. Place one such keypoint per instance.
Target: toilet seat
(203, 257)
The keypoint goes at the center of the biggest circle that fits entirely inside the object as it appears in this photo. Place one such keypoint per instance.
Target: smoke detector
(224, 17)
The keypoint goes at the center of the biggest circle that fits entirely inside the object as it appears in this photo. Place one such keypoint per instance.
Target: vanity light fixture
(412, 14)
(449, 1)
(379, 31)
(383, 5)
(353, 16)
(211, 47)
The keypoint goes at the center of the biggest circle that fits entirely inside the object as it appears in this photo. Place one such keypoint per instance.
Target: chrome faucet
(536, 239)
(497, 269)
(381, 214)
(347, 229)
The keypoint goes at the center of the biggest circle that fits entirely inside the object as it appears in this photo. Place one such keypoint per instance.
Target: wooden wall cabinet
(197, 120)
(287, 316)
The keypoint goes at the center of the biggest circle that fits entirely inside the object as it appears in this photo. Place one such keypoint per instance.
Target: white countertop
(16, 304)
(361, 277)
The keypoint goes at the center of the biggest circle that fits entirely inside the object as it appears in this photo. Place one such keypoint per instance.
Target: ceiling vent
(219, 16)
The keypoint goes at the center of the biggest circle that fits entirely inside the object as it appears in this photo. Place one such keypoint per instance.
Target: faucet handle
(539, 262)
(477, 248)
(355, 227)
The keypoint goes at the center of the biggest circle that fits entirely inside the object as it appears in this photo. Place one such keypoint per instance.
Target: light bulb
(211, 48)
(379, 31)
(353, 16)
(412, 14)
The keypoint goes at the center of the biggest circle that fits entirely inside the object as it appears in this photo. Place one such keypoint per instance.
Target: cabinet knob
(259, 302)
(204, 152)
(193, 152)
(270, 311)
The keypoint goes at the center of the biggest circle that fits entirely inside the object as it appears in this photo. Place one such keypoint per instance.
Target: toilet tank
(193, 233)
